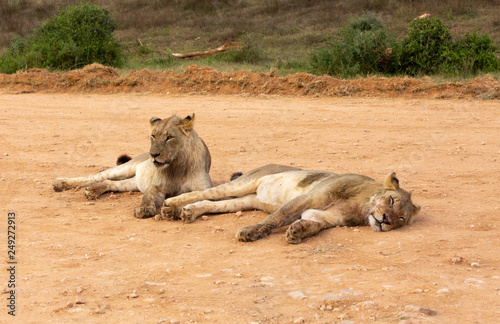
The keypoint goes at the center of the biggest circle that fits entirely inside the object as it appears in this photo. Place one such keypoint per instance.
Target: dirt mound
(96, 78)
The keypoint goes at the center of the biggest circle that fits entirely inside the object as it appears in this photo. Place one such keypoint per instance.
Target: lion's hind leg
(192, 211)
(237, 188)
(120, 172)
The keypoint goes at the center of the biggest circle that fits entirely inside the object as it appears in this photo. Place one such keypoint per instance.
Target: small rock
(474, 281)
(260, 300)
(238, 213)
(69, 305)
(412, 308)
(99, 311)
(79, 290)
(332, 297)
(443, 291)
(366, 304)
(79, 301)
(475, 265)
(297, 294)
(243, 149)
(457, 260)
(133, 295)
(204, 217)
(351, 292)
(427, 311)
(150, 283)
(103, 306)
(299, 320)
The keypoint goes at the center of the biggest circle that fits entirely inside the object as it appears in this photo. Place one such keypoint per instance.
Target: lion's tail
(236, 175)
(122, 159)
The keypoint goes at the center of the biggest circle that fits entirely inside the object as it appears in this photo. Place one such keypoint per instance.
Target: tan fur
(308, 201)
(178, 162)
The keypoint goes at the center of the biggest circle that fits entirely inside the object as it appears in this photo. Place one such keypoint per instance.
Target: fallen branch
(218, 50)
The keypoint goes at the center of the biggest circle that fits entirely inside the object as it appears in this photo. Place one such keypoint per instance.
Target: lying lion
(178, 161)
(308, 200)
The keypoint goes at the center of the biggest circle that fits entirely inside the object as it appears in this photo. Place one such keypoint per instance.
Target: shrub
(426, 46)
(77, 36)
(429, 49)
(474, 53)
(369, 21)
(362, 47)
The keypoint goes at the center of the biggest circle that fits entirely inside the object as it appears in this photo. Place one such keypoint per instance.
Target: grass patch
(284, 32)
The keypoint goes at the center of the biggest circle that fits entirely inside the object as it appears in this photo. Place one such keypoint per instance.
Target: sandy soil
(93, 262)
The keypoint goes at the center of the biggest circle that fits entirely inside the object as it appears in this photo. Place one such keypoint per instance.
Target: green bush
(426, 46)
(429, 49)
(360, 48)
(77, 36)
(369, 21)
(364, 46)
(473, 54)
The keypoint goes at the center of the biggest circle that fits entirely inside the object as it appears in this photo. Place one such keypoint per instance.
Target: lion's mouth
(375, 224)
(159, 164)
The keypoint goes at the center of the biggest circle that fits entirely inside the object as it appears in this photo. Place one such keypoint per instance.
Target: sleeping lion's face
(391, 210)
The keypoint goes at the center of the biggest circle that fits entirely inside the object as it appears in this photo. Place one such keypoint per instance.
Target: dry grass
(287, 29)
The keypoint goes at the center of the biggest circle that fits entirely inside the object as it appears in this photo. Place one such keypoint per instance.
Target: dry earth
(93, 262)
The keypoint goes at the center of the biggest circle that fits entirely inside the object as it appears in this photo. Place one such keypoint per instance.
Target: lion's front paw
(59, 184)
(144, 212)
(294, 232)
(253, 232)
(187, 214)
(168, 212)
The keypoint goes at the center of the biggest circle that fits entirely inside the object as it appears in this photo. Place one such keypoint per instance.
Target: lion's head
(169, 139)
(392, 208)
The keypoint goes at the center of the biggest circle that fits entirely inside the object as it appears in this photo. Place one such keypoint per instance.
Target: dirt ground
(93, 262)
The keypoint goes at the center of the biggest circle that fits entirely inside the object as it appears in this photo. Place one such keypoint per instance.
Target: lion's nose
(384, 219)
(154, 155)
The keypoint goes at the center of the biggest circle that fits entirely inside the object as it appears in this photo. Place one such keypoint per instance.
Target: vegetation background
(278, 34)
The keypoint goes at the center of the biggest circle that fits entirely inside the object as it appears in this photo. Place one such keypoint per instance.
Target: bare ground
(93, 262)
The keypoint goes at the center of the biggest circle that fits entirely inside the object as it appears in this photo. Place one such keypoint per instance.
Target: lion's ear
(391, 182)
(154, 121)
(187, 124)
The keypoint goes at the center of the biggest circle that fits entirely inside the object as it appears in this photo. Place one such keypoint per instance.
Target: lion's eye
(152, 137)
(391, 200)
(402, 219)
(168, 138)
